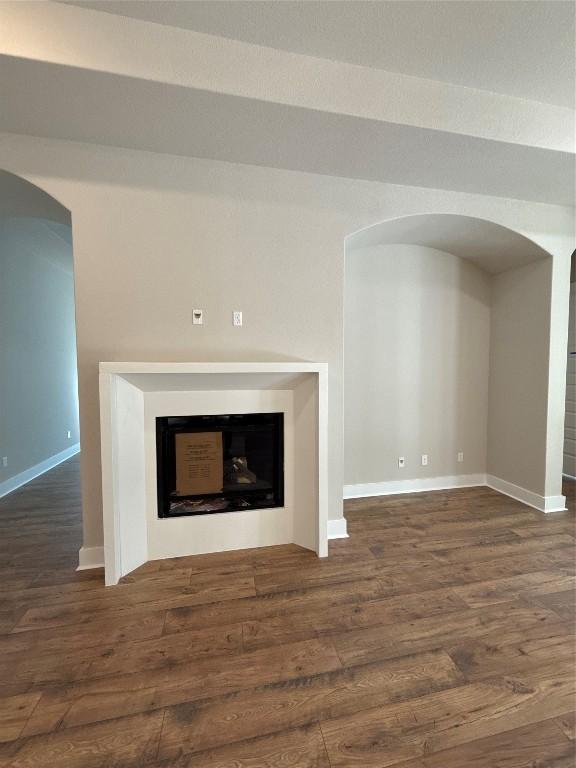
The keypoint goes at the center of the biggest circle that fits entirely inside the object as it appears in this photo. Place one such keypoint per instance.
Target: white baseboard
(417, 485)
(93, 557)
(38, 469)
(420, 485)
(541, 503)
(90, 557)
(337, 529)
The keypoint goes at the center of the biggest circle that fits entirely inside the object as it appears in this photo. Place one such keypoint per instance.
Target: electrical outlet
(197, 317)
(424, 459)
(461, 457)
(4, 461)
(69, 434)
(237, 318)
(401, 462)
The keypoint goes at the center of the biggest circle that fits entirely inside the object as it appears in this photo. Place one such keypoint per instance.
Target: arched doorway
(39, 420)
(447, 349)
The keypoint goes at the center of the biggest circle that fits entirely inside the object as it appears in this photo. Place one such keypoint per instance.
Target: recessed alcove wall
(417, 340)
(446, 353)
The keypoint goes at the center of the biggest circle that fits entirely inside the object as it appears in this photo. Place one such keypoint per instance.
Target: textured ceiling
(520, 48)
(91, 107)
(77, 74)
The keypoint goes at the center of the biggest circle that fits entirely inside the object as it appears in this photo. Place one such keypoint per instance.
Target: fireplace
(225, 463)
(133, 395)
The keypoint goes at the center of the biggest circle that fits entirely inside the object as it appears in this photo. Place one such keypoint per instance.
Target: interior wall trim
(541, 503)
(90, 557)
(93, 557)
(416, 485)
(421, 485)
(337, 529)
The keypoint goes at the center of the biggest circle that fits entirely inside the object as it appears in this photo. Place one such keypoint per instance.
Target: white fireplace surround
(132, 395)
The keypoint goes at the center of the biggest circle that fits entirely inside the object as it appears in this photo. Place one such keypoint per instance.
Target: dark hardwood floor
(439, 635)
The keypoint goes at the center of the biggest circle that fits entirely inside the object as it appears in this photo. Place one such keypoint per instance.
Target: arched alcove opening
(39, 420)
(446, 359)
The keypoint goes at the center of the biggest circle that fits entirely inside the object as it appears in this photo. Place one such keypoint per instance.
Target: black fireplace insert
(224, 463)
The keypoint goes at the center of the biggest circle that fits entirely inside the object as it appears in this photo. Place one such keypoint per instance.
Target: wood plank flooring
(441, 634)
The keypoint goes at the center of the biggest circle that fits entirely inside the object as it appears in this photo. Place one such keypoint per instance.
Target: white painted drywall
(417, 331)
(519, 349)
(38, 380)
(569, 467)
(233, 101)
(81, 40)
(20, 198)
(155, 236)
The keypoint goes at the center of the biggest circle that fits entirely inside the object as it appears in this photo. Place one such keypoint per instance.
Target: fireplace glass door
(224, 463)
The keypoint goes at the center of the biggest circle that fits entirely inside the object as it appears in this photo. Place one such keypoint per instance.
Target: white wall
(417, 328)
(519, 345)
(20, 198)
(569, 467)
(157, 235)
(38, 381)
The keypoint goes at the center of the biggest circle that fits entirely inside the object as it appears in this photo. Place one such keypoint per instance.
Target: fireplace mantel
(133, 394)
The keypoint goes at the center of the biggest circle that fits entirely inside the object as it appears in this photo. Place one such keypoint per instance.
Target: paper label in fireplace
(199, 463)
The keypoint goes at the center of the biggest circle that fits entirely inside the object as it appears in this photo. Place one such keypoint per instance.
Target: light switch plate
(197, 317)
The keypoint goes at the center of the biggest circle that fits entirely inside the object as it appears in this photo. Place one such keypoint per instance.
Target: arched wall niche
(447, 352)
(19, 197)
(493, 247)
(38, 354)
